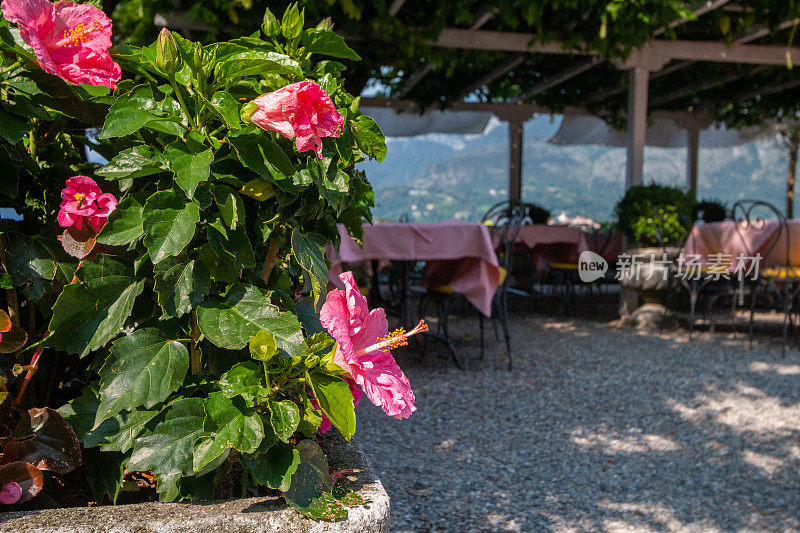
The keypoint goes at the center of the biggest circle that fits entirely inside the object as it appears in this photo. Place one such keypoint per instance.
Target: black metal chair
(504, 221)
(775, 282)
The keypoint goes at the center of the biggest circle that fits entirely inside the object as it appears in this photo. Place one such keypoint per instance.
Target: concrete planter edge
(246, 515)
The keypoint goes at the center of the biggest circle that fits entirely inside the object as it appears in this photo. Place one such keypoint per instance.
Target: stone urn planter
(246, 515)
(651, 281)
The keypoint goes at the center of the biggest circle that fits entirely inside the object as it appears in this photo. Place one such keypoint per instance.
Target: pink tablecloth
(725, 238)
(476, 278)
(552, 244)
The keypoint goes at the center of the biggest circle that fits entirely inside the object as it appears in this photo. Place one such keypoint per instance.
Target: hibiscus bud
(167, 57)
(293, 22)
(325, 24)
(247, 111)
(271, 27)
(311, 361)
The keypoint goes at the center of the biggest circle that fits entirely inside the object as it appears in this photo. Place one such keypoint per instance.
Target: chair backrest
(754, 216)
(503, 210)
(505, 231)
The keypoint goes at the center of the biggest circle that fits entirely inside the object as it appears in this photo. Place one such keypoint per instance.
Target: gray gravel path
(595, 429)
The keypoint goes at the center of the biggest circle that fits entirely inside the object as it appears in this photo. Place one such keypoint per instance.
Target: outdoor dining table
(458, 254)
(707, 242)
(552, 243)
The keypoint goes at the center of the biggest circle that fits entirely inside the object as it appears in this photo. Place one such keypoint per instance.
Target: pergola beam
(559, 78)
(744, 39)
(491, 76)
(396, 6)
(661, 50)
(689, 90)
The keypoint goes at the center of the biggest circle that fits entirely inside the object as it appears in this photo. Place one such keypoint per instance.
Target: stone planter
(651, 280)
(247, 515)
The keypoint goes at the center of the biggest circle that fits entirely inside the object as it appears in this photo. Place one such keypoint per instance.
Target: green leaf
(258, 62)
(169, 224)
(124, 225)
(246, 310)
(230, 204)
(285, 417)
(326, 42)
(181, 288)
(12, 129)
(276, 467)
(143, 368)
(89, 314)
(232, 424)
(134, 162)
(259, 154)
(309, 250)
(232, 249)
(258, 189)
(115, 434)
(190, 167)
(312, 478)
(369, 137)
(105, 474)
(336, 401)
(130, 112)
(167, 448)
(242, 379)
(226, 105)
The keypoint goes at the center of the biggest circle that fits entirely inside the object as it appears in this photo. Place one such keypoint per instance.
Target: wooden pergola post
(516, 129)
(693, 149)
(637, 124)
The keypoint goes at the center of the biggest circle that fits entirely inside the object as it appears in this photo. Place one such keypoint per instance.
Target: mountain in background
(438, 177)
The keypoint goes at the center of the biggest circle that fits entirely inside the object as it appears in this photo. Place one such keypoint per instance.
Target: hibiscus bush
(183, 299)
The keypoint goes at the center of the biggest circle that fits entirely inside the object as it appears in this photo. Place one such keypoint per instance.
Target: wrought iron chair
(777, 281)
(504, 221)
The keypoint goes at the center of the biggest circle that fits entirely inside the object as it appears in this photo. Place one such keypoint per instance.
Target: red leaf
(5, 322)
(44, 439)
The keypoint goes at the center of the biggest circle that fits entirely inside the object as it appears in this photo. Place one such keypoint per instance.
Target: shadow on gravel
(597, 429)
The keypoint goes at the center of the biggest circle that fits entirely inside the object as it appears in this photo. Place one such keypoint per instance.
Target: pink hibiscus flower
(70, 40)
(82, 202)
(301, 111)
(363, 348)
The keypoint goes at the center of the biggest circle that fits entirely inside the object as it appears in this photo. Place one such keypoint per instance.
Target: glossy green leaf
(259, 154)
(258, 189)
(309, 250)
(105, 474)
(12, 129)
(230, 424)
(130, 112)
(369, 137)
(329, 43)
(169, 224)
(243, 379)
(230, 322)
(285, 415)
(124, 226)
(136, 162)
(258, 62)
(336, 401)
(89, 314)
(226, 105)
(143, 368)
(312, 478)
(276, 467)
(167, 448)
(181, 288)
(190, 167)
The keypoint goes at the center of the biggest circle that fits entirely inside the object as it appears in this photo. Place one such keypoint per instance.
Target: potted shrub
(657, 218)
(710, 211)
(177, 322)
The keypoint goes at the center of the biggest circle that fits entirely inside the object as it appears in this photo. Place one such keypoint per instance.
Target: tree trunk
(794, 144)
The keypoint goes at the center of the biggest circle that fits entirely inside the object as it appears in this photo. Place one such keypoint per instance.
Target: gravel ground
(596, 428)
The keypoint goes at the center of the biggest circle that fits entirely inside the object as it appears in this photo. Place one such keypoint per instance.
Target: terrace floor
(596, 428)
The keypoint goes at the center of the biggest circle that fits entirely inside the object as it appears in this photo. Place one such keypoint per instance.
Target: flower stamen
(395, 339)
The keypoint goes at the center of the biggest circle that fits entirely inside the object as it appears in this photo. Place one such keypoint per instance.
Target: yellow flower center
(79, 34)
(395, 339)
